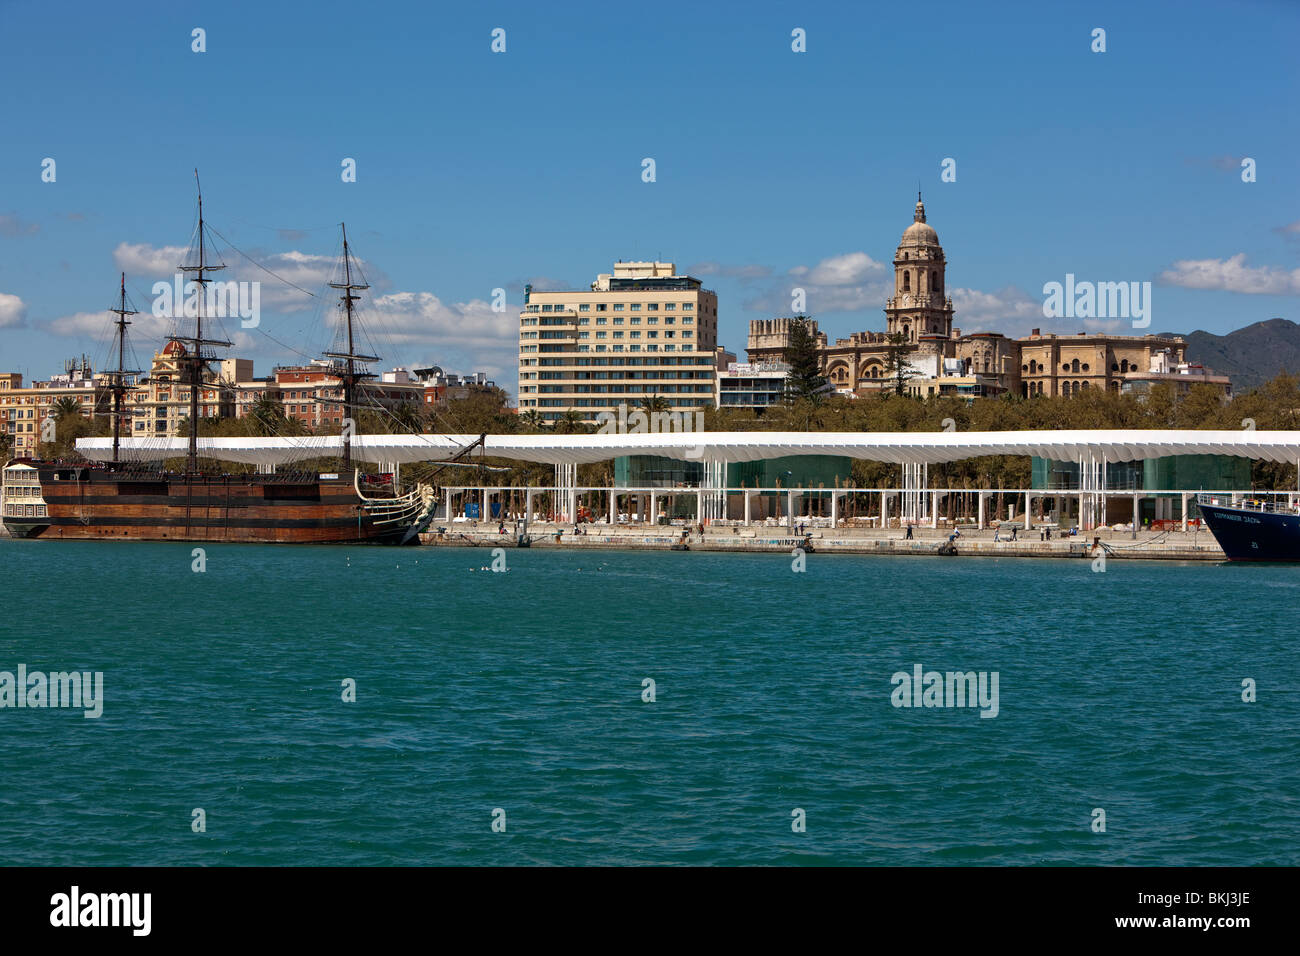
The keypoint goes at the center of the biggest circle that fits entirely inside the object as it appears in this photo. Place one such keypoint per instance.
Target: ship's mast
(193, 359)
(350, 375)
(119, 376)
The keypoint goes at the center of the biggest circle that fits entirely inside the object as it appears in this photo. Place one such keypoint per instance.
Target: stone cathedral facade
(981, 363)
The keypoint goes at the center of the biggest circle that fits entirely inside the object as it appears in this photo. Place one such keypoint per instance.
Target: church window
(907, 281)
(1074, 366)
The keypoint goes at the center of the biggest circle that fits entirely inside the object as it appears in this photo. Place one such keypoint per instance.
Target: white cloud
(305, 270)
(13, 312)
(151, 262)
(462, 336)
(852, 268)
(1232, 275)
(147, 330)
(850, 282)
(1009, 310)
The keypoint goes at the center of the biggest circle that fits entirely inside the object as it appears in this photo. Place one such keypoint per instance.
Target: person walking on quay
(909, 532)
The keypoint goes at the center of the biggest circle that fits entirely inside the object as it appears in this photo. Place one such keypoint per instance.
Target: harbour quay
(1194, 545)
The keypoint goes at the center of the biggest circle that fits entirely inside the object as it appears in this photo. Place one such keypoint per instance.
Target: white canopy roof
(930, 447)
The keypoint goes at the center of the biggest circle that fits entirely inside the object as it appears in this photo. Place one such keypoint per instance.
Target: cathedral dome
(919, 233)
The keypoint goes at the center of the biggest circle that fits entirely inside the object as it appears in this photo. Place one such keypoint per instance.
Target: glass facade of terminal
(1172, 473)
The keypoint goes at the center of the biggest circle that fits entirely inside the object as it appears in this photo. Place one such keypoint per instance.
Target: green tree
(65, 408)
(69, 425)
(408, 417)
(653, 403)
(569, 422)
(805, 380)
(897, 367)
(267, 416)
(482, 410)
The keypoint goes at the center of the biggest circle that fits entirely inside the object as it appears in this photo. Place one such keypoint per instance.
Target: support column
(835, 509)
(747, 500)
(934, 511)
(884, 509)
(1186, 497)
(1029, 517)
(483, 515)
(981, 511)
(653, 516)
(613, 507)
(699, 506)
(789, 509)
(1136, 499)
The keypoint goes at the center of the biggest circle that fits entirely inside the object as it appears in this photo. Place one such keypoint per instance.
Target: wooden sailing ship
(121, 499)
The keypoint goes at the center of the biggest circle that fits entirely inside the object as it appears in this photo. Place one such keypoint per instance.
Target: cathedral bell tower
(918, 306)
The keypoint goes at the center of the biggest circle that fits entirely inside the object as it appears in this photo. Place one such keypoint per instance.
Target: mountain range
(1250, 356)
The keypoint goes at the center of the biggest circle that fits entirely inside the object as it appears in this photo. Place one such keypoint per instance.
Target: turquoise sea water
(523, 691)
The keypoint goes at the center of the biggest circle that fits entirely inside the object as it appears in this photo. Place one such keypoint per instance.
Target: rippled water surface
(523, 691)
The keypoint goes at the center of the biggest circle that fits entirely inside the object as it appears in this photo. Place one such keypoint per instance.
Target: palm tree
(267, 415)
(65, 407)
(569, 422)
(408, 417)
(654, 403)
(532, 420)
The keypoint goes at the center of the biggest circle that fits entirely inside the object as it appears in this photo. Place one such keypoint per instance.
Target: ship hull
(84, 503)
(1247, 535)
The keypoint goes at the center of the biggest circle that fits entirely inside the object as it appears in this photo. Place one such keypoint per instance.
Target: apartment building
(22, 409)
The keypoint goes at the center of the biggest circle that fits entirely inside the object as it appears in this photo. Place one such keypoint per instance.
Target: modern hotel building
(640, 332)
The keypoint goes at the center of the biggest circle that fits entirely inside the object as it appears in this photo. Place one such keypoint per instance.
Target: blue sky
(479, 170)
